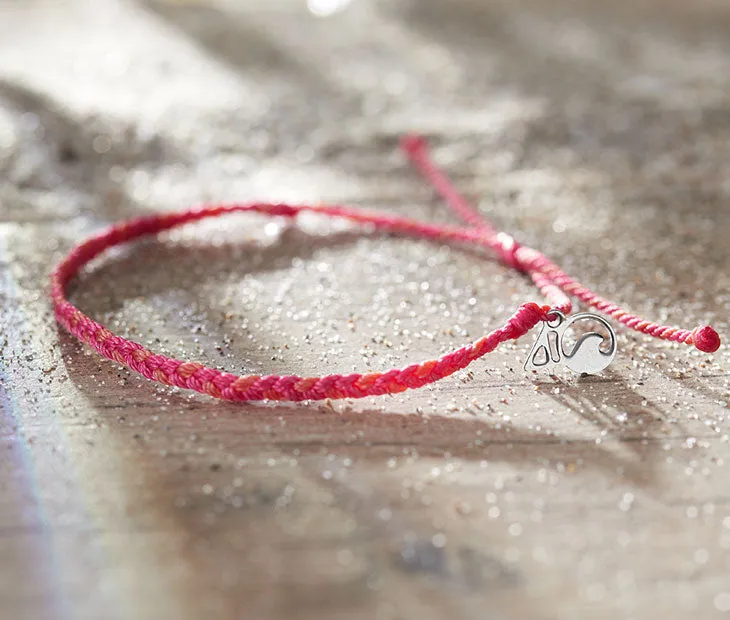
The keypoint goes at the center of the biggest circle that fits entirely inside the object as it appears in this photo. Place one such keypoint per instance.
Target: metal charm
(584, 357)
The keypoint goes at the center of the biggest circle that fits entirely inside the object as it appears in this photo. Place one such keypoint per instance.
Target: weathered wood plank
(597, 132)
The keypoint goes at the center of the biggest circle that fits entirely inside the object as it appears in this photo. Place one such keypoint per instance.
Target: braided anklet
(552, 282)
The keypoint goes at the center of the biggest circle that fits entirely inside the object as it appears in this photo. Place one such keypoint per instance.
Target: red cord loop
(550, 279)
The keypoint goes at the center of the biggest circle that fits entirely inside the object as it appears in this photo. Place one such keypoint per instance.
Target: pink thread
(552, 282)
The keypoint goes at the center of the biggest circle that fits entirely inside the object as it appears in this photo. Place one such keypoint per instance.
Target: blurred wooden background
(598, 132)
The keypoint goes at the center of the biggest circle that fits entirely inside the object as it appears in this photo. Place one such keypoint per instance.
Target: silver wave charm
(584, 357)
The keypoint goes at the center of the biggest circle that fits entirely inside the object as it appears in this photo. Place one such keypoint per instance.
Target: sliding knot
(508, 252)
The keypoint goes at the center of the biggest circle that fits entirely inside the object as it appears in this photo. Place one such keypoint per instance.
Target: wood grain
(597, 132)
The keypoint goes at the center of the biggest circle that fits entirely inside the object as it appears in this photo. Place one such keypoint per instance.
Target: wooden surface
(598, 132)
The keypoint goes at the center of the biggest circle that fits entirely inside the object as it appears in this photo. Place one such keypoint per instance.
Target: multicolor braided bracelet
(552, 282)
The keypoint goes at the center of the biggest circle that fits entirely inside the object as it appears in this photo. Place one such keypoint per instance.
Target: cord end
(706, 339)
(413, 144)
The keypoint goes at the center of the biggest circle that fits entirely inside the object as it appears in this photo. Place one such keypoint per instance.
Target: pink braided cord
(551, 281)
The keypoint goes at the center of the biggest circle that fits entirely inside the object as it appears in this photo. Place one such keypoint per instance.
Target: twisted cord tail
(552, 282)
